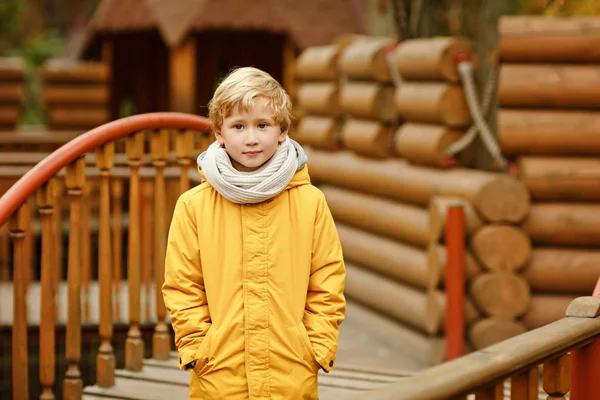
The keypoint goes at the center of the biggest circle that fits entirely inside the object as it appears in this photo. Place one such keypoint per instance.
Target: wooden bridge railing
(161, 130)
(567, 352)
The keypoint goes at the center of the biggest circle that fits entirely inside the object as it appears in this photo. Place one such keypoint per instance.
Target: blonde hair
(238, 91)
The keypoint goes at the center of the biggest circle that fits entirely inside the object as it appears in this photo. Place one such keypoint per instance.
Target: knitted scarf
(256, 186)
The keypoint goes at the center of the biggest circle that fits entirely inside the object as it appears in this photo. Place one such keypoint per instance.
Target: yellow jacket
(255, 292)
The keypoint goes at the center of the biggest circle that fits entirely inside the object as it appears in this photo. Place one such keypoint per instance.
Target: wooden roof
(308, 22)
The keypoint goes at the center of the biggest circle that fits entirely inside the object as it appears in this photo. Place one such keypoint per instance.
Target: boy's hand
(190, 365)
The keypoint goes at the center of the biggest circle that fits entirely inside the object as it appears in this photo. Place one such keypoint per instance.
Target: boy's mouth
(252, 153)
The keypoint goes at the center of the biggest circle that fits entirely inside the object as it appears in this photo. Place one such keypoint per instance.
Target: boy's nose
(251, 137)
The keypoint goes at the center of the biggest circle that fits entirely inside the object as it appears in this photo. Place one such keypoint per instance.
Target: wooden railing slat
(147, 237)
(557, 376)
(28, 243)
(134, 346)
(494, 392)
(18, 224)
(86, 248)
(161, 341)
(525, 386)
(105, 364)
(59, 187)
(4, 253)
(46, 200)
(184, 151)
(75, 181)
(117, 243)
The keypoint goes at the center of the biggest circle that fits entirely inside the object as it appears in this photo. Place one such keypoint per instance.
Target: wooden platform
(369, 354)
(368, 357)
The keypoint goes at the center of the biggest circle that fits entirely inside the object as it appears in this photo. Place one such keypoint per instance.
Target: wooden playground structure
(462, 282)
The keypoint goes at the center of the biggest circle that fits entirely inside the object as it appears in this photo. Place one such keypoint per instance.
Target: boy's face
(251, 138)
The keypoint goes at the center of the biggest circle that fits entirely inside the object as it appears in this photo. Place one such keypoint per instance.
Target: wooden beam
(289, 67)
(182, 76)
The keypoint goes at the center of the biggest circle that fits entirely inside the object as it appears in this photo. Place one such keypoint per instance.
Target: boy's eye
(238, 126)
(262, 125)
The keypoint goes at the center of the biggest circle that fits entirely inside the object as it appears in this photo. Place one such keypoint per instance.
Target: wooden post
(18, 225)
(105, 360)
(184, 151)
(182, 75)
(289, 67)
(159, 148)
(134, 345)
(75, 181)
(46, 200)
(117, 244)
(455, 282)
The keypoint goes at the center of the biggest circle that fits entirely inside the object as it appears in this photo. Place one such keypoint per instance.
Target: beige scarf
(256, 186)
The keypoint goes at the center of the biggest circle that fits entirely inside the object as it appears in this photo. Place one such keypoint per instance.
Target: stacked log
(11, 91)
(76, 93)
(317, 97)
(433, 104)
(431, 101)
(390, 216)
(389, 188)
(548, 123)
(366, 93)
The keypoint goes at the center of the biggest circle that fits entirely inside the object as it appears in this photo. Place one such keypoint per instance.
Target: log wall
(389, 183)
(11, 92)
(76, 94)
(548, 124)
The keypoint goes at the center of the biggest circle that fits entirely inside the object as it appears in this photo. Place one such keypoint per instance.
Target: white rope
(471, 134)
(394, 73)
(465, 70)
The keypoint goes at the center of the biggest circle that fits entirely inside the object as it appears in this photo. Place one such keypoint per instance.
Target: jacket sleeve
(325, 303)
(183, 289)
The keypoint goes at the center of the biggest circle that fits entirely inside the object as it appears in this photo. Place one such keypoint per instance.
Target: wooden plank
(179, 377)
(135, 389)
(33, 302)
(157, 374)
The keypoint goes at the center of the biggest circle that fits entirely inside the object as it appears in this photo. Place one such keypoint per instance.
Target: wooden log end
(501, 294)
(501, 247)
(504, 199)
(489, 331)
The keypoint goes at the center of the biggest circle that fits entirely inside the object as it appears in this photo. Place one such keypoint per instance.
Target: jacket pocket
(204, 354)
(309, 354)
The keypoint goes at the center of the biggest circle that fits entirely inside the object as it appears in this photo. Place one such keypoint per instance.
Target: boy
(254, 272)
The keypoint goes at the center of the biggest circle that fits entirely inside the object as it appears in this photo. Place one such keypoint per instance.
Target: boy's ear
(282, 135)
(219, 137)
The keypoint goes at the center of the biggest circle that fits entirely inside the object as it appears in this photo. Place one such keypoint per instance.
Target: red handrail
(51, 165)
